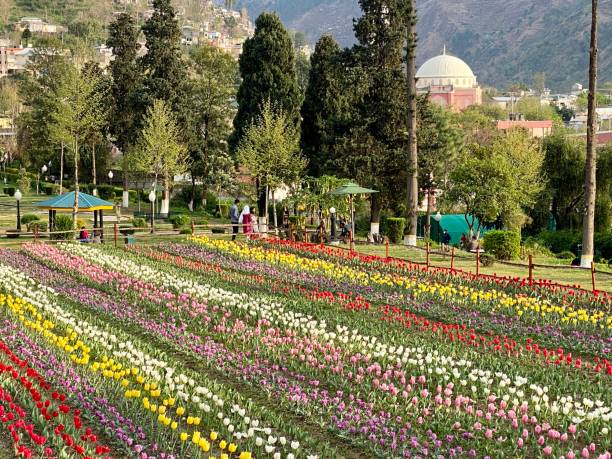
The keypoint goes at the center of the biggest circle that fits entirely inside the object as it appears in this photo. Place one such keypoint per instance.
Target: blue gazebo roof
(65, 201)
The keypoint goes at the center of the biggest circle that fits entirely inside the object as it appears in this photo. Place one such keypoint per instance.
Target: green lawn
(465, 261)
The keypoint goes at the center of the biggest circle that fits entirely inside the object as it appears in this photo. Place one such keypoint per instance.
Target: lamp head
(152, 196)
(332, 210)
(438, 216)
(110, 175)
(44, 168)
(18, 195)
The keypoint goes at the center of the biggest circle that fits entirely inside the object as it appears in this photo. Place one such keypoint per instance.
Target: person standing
(234, 217)
(446, 238)
(245, 220)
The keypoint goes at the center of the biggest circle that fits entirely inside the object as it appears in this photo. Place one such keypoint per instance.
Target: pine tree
(268, 73)
(123, 37)
(127, 83)
(377, 150)
(322, 104)
(163, 67)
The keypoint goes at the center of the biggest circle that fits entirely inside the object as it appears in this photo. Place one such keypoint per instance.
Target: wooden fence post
(452, 258)
(478, 260)
(593, 275)
(387, 250)
(192, 228)
(427, 258)
(530, 269)
(115, 231)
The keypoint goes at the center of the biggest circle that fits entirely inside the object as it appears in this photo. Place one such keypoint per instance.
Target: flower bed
(210, 349)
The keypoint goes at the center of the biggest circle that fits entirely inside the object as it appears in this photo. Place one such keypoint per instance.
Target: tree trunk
(375, 209)
(125, 201)
(93, 161)
(75, 207)
(275, 216)
(193, 191)
(165, 204)
(61, 170)
(428, 216)
(588, 229)
(412, 185)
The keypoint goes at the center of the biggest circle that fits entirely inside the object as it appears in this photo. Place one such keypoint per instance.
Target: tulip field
(207, 348)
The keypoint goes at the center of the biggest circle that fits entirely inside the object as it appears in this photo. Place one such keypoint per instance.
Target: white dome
(445, 69)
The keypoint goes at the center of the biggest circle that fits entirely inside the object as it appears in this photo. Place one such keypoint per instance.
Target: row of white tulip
(176, 384)
(514, 389)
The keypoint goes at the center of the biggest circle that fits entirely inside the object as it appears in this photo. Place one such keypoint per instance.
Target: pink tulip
(519, 442)
(572, 429)
(563, 437)
(547, 451)
(585, 453)
(541, 440)
(489, 434)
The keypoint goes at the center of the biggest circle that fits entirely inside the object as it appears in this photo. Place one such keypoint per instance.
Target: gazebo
(65, 203)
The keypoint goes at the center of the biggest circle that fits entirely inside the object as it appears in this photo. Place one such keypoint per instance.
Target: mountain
(504, 41)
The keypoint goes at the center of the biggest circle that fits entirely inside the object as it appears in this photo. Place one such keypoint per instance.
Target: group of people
(85, 237)
(243, 218)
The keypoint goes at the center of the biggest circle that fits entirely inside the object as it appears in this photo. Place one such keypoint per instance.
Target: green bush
(139, 222)
(10, 191)
(218, 230)
(565, 255)
(179, 221)
(535, 247)
(395, 229)
(27, 218)
(106, 192)
(603, 244)
(487, 259)
(49, 189)
(63, 223)
(223, 210)
(560, 241)
(185, 231)
(37, 225)
(505, 245)
(201, 221)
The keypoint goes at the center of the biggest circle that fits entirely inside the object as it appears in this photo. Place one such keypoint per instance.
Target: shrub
(63, 223)
(565, 255)
(10, 191)
(49, 189)
(139, 222)
(179, 221)
(560, 241)
(185, 231)
(218, 230)
(603, 244)
(487, 259)
(27, 218)
(395, 229)
(106, 192)
(201, 221)
(37, 225)
(505, 245)
(24, 181)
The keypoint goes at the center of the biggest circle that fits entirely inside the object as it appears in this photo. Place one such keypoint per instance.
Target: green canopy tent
(65, 203)
(351, 189)
(455, 224)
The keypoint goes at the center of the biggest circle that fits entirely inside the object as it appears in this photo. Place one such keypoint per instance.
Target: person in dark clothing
(234, 218)
(445, 240)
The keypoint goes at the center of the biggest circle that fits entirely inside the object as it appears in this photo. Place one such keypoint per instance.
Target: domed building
(449, 81)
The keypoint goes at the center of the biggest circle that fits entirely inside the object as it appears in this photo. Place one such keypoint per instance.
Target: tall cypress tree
(268, 73)
(124, 70)
(162, 65)
(322, 104)
(382, 126)
(127, 109)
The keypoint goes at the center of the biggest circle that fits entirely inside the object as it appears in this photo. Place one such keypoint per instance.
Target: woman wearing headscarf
(245, 219)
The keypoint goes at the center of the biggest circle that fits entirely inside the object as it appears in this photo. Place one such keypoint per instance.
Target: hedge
(505, 245)
(395, 229)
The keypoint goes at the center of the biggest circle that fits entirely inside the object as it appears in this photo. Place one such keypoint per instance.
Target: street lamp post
(437, 218)
(18, 197)
(110, 177)
(42, 172)
(152, 196)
